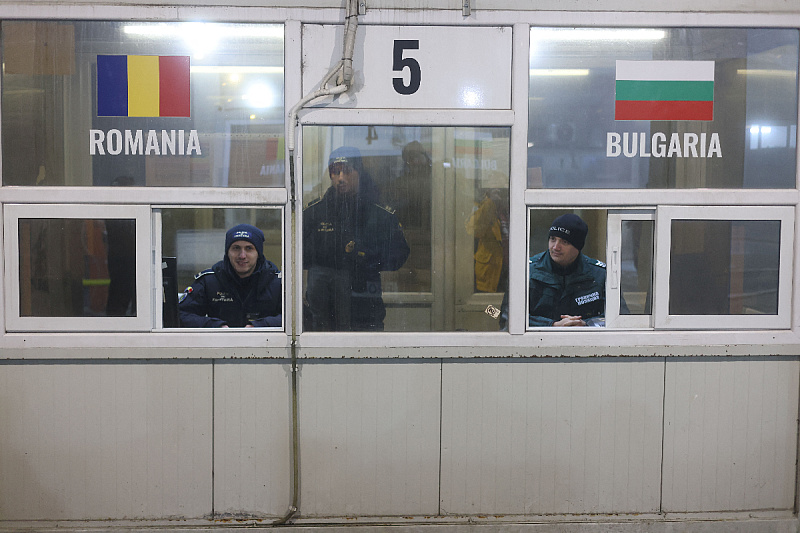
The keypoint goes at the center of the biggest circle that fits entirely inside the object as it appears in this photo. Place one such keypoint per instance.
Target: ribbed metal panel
(730, 435)
(369, 438)
(252, 438)
(100, 441)
(545, 437)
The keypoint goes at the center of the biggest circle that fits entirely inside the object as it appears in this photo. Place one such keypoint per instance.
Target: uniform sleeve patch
(600, 264)
(184, 294)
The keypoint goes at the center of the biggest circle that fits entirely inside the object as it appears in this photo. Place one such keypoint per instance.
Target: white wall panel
(540, 437)
(730, 435)
(369, 436)
(252, 435)
(99, 441)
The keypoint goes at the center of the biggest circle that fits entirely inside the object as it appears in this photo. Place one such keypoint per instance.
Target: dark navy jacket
(219, 297)
(343, 290)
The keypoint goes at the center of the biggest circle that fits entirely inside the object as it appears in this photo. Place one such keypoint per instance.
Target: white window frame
(16, 323)
(664, 217)
(613, 274)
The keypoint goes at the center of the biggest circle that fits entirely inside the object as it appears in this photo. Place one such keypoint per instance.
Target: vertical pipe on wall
(344, 69)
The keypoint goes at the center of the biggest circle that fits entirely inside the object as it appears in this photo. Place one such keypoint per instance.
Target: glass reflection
(576, 140)
(77, 267)
(724, 267)
(232, 136)
(447, 188)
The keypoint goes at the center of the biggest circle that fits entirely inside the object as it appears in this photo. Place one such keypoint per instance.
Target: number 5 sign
(423, 67)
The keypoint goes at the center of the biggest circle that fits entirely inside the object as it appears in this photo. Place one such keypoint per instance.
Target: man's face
(562, 252)
(243, 257)
(344, 177)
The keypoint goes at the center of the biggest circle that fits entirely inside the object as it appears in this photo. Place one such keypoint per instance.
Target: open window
(77, 267)
(190, 240)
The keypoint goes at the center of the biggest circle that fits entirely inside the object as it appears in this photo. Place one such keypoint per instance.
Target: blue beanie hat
(349, 155)
(245, 232)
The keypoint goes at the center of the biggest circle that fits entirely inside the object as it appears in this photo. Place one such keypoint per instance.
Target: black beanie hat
(571, 228)
(245, 232)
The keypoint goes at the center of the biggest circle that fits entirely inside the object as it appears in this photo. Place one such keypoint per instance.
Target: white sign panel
(422, 67)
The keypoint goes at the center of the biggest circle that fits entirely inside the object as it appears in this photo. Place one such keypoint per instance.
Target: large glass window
(404, 228)
(142, 104)
(662, 108)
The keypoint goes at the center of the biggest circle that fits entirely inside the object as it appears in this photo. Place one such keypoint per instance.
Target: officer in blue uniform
(348, 240)
(566, 287)
(242, 290)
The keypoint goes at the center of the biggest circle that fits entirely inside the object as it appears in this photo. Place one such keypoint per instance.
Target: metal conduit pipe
(349, 44)
(344, 69)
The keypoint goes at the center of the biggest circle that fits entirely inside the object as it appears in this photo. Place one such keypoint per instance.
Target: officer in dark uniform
(566, 287)
(242, 290)
(348, 240)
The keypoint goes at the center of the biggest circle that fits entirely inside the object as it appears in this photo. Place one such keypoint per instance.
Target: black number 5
(401, 62)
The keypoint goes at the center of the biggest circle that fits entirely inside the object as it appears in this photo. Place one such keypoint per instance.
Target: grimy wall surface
(172, 438)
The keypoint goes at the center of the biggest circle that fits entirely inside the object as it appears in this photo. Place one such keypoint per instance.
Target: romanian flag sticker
(665, 90)
(143, 86)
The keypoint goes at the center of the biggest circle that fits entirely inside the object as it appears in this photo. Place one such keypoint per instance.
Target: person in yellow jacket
(489, 225)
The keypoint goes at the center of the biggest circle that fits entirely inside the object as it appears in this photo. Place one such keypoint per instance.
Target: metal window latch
(465, 7)
(362, 7)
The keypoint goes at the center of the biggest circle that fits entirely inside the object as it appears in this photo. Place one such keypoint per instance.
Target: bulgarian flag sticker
(664, 90)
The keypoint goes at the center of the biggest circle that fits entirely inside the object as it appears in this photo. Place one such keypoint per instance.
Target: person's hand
(224, 326)
(249, 326)
(568, 320)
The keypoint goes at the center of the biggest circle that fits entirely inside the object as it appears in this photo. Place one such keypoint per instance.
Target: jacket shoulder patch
(600, 264)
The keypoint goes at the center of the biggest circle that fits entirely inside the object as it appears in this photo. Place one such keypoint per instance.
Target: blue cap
(347, 154)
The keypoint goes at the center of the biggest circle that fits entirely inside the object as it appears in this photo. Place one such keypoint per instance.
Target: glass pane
(636, 267)
(567, 271)
(662, 108)
(77, 267)
(206, 108)
(420, 243)
(238, 291)
(724, 267)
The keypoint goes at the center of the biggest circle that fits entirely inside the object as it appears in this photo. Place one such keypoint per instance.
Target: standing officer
(348, 240)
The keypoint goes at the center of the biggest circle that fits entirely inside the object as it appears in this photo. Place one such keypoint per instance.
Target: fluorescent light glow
(234, 70)
(754, 130)
(559, 72)
(200, 29)
(259, 95)
(766, 72)
(596, 34)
